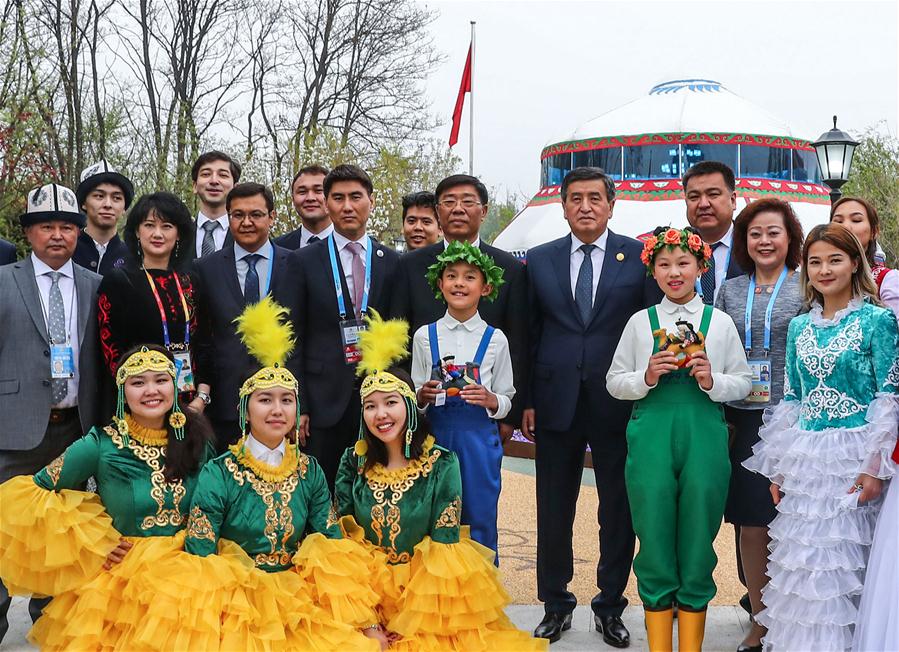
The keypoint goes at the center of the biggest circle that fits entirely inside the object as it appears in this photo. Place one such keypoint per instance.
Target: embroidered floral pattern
(198, 525)
(449, 517)
(54, 468)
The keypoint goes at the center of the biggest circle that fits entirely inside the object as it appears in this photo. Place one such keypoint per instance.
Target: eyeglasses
(452, 203)
(255, 216)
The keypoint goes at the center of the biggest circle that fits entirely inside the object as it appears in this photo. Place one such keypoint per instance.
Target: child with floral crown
(679, 361)
(462, 372)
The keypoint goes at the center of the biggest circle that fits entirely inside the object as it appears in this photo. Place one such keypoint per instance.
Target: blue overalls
(473, 436)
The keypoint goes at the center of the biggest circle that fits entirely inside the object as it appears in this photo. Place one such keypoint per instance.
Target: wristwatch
(203, 396)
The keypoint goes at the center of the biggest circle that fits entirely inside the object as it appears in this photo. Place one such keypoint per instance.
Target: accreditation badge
(349, 335)
(761, 381)
(184, 372)
(62, 362)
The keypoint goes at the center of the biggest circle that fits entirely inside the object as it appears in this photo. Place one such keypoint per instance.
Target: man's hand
(663, 362)
(528, 423)
(117, 554)
(480, 396)
(303, 429)
(505, 432)
(427, 395)
(701, 369)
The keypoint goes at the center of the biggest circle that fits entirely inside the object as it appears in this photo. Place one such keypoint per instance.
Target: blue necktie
(583, 287)
(251, 282)
(707, 280)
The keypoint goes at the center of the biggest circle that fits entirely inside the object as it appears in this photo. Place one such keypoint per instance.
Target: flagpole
(471, 109)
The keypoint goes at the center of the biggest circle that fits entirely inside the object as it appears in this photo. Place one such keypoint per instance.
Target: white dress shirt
(721, 256)
(218, 236)
(266, 455)
(731, 378)
(70, 307)
(596, 256)
(101, 250)
(262, 265)
(475, 243)
(305, 234)
(346, 258)
(461, 339)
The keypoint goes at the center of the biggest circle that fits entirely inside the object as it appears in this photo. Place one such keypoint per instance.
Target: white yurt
(646, 146)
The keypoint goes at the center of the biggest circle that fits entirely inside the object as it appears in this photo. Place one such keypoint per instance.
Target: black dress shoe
(552, 626)
(746, 604)
(613, 630)
(749, 648)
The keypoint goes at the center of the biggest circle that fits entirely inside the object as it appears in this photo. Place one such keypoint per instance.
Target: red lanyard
(165, 323)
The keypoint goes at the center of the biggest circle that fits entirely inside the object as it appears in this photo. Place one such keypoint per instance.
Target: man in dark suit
(711, 199)
(582, 290)
(7, 252)
(326, 315)
(308, 196)
(710, 194)
(49, 352)
(461, 208)
(104, 195)
(214, 174)
(239, 274)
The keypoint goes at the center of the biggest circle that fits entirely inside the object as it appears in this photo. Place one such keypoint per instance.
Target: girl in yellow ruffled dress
(84, 548)
(400, 495)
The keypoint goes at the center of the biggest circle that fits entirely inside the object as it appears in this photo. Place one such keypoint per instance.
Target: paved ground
(726, 624)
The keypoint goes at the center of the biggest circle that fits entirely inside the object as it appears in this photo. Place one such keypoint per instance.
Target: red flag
(464, 87)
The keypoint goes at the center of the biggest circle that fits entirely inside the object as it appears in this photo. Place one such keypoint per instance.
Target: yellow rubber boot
(658, 630)
(690, 630)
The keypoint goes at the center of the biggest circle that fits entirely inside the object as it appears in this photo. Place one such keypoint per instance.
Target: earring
(408, 450)
(177, 246)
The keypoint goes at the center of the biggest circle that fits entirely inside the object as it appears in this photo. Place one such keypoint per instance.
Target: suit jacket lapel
(85, 298)
(24, 275)
(230, 274)
(278, 267)
(611, 265)
(562, 265)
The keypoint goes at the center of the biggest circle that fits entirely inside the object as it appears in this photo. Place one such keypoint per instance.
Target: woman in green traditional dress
(84, 548)
(400, 493)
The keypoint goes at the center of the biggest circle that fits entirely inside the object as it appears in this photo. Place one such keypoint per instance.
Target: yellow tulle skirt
(449, 597)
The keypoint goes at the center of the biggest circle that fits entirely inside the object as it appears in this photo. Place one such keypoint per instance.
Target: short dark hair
(456, 180)
(168, 208)
(377, 452)
(183, 457)
(589, 174)
(423, 199)
(250, 189)
(348, 172)
(315, 168)
(790, 222)
(873, 222)
(703, 168)
(215, 155)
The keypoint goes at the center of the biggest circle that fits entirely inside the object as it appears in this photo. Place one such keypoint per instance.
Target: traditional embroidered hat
(103, 172)
(264, 329)
(458, 251)
(382, 344)
(687, 238)
(51, 202)
(137, 363)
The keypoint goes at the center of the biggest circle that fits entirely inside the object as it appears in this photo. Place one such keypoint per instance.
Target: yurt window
(608, 158)
(694, 153)
(764, 162)
(652, 162)
(805, 166)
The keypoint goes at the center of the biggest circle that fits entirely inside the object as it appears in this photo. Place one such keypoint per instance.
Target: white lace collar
(816, 314)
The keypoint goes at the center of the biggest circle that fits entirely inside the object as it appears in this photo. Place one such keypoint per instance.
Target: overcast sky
(543, 68)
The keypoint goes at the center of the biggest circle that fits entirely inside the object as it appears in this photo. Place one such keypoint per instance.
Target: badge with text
(62, 362)
(184, 372)
(349, 335)
(761, 381)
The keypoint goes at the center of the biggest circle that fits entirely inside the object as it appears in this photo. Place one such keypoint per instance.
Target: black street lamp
(834, 150)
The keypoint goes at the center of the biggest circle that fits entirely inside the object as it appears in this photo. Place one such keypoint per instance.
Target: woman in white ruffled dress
(826, 448)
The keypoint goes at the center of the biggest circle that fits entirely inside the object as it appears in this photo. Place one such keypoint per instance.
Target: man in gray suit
(49, 352)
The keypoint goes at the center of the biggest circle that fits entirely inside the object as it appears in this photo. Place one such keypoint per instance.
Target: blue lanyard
(338, 288)
(726, 267)
(768, 311)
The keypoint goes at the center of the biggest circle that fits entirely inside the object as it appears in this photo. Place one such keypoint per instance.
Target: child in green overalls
(679, 361)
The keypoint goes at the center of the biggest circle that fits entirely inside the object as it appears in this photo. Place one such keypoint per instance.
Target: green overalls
(677, 474)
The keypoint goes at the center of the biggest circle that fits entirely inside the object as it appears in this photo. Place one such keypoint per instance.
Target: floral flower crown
(687, 238)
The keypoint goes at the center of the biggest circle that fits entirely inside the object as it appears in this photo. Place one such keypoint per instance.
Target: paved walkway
(724, 629)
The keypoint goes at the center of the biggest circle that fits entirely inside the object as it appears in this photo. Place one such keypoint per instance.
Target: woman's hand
(775, 493)
(198, 405)
(701, 369)
(118, 554)
(379, 635)
(663, 362)
(870, 487)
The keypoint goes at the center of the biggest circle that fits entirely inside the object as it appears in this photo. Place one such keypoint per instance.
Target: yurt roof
(685, 106)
